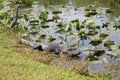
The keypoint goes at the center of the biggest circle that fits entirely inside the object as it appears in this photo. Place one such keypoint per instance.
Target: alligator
(51, 47)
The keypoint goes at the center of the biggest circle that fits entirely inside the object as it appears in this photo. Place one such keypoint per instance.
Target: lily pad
(93, 27)
(76, 20)
(34, 22)
(109, 43)
(82, 35)
(74, 46)
(103, 35)
(56, 17)
(42, 37)
(99, 52)
(96, 42)
(91, 33)
(56, 12)
(43, 15)
(51, 38)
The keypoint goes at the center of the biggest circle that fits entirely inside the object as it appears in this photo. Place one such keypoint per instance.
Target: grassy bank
(15, 63)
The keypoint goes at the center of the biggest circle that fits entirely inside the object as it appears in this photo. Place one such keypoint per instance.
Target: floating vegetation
(56, 12)
(108, 10)
(117, 26)
(91, 58)
(96, 42)
(76, 20)
(109, 43)
(78, 26)
(34, 22)
(51, 38)
(44, 15)
(92, 33)
(33, 31)
(45, 25)
(74, 46)
(41, 37)
(90, 11)
(98, 52)
(69, 27)
(82, 35)
(93, 27)
(103, 35)
(56, 17)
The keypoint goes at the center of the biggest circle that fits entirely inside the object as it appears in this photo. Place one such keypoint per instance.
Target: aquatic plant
(83, 36)
(43, 15)
(76, 20)
(92, 33)
(56, 17)
(41, 37)
(34, 22)
(109, 43)
(90, 11)
(96, 42)
(108, 10)
(103, 35)
(51, 38)
(56, 12)
(3, 15)
(44, 24)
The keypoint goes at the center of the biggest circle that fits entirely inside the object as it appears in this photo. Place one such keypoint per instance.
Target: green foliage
(1, 1)
(91, 33)
(76, 20)
(60, 25)
(96, 42)
(98, 52)
(69, 27)
(51, 38)
(56, 12)
(43, 15)
(78, 26)
(42, 37)
(93, 27)
(3, 15)
(90, 11)
(24, 2)
(109, 43)
(109, 10)
(34, 22)
(103, 35)
(82, 35)
(56, 17)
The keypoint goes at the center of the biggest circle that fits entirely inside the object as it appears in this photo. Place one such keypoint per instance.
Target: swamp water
(91, 30)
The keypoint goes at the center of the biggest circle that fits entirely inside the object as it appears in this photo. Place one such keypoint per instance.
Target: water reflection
(114, 4)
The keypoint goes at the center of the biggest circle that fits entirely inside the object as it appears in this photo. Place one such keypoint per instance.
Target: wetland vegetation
(89, 27)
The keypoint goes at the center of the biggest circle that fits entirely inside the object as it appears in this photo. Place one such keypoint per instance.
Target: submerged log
(51, 47)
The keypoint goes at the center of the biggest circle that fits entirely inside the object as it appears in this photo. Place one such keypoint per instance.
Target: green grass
(16, 64)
